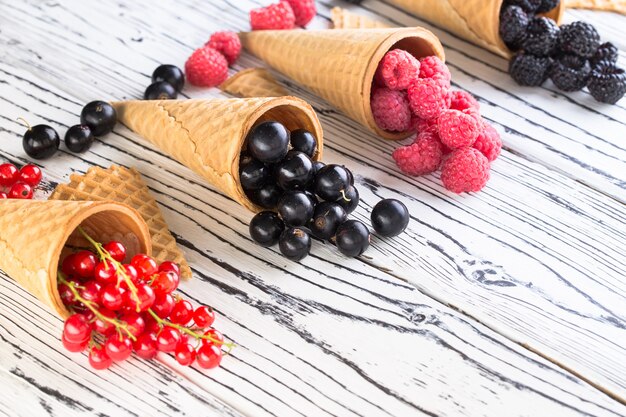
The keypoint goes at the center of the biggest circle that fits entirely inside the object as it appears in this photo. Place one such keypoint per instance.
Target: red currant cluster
(119, 308)
(20, 183)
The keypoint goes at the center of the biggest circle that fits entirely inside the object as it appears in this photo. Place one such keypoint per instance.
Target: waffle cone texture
(253, 82)
(35, 235)
(208, 135)
(126, 186)
(618, 6)
(339, 65)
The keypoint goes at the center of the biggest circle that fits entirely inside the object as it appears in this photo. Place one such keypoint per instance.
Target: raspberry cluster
(18, 183)
(123, 308)
(208, 66)
(415, 95)
(286, 14)
(571, 56)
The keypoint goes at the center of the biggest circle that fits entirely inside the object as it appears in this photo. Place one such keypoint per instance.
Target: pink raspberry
(391, 110)
(428, 98)
(433, 67)
(304, 10)
(422, 157)
(458, 129)
(226, 42)
(275, 16)
(397, 70)
(421, 125)
(465, 170)
(206, 67)
(488, 142)
(462, 100)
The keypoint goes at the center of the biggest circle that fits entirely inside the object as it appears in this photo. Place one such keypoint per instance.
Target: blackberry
(529, 6)
(547, 5)
(607, 83)
(528, 69)
(607, 52)
(570, 73)
(513, 24)
(541, 36)
(579, 38)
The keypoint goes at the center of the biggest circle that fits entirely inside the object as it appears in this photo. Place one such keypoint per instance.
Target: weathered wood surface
(431, 323)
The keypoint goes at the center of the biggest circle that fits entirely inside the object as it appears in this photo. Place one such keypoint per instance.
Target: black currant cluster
(97, 118)
(167, 82)
(305, 198)
(571, 56)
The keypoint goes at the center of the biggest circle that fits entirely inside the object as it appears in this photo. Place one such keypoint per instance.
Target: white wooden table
(509, 302)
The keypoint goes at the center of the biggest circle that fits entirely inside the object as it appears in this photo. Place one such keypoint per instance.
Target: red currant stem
(119, 325)
(119, 269)
(343, 194)
(25, 122)
(189, 331)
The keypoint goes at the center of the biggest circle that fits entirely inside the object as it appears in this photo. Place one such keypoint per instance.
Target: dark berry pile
(305, 198)
(18, 183)
(118, 309)
(167, 82)
(571, 56)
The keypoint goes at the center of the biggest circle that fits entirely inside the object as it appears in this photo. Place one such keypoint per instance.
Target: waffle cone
(126, 186)
(34, 236)
(477, 21)
(208, 135)
(618, 6)
(344, 19)
(253, 82)
(339, 65)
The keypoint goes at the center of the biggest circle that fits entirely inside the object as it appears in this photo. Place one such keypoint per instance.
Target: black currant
(352, 238)
(79, 138)
(326, 219)
(253, 174)
(170, 74)
(390, 217)
(267, 196)
(350, 200)
(266, 228)
(100, 116)
(268, 142)
(295, 243)
(40, 141)
(317, 165)
(160, 90)
(350, 176)
(331, 182)
(312, 197)
(295, 171)
(295, 208)
(304, 141)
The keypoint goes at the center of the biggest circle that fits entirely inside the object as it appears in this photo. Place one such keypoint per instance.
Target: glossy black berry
(312, 197)
(266, 228)
(547, 5)
(253, 174)
(295, 243)
(331, 182)
(304, 141)
(171, 74)
(40, 141)
(541, 36)
(570, 73)
(529, 6)
(352, 238)
(529, 70)
(295, 208)
(390, 217)
(295, 171)
(607, 83)
(267, 196)
(268, 142)
(79, 138)
(160, 90)
(317, 165)
(513, 23)
(606, 53)
(579, 38)
(99, 116)
(349, 201)
(326, 220)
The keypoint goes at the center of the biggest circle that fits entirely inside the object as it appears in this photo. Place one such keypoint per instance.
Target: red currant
(136, 324)
(104, 327)
(90, 291)
(169, 266)
(209, 356)
(185, 354)
(84, 264)
(21, 191)
(77, 329)
(67, 266)
(163, 305)
(152, 325)
(116, 250)
(217, 338)
(8, 175)
(146, 345)
(3, 195)
(105, 273)
(165, 282)
(99, 359)
(131, 272)
(204, 316)
(67, 296)
(182, 312)
(167, 339)
(118, 347)
(30, 174)
(112, 297)
(145, 298)
(146, 266)
(74, 347)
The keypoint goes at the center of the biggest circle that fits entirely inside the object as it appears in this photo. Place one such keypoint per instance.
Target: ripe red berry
(165, 282)
(74, 347)
(167, 339)
(8, 175)
(84, 264)
(30, 174)
(118, 347)
(21, 191)
(104, 327)
(163, 305)
(185, 354)
(204, 316)
(3, 195)
(145, 265)
(90, 291)
(217, 338)
(77, 329)
(170, 266)
(98, 358)
(151, 324)
(67, 296)
(209, 356)
(146, 345)
(105, 273)
(145, 298)
(112, 297)
(136, 324)
(182, 312)
(131, 272)
(116, 250)
(67, 266)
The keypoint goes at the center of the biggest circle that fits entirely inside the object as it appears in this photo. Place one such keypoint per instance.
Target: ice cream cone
(477, 21)
(126, 186)
(344, 19)
(339, 65)
(618, 6)
(253, 82)
(208, 135)
(35, 235)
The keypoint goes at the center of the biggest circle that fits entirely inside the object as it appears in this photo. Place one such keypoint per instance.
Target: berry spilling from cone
(120, 308)
(571, 56)
(286, 14)
(19, 183)
(415, 95)
(304, 198)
